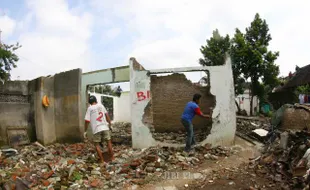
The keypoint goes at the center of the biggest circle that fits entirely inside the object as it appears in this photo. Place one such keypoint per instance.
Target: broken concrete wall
(169, 97)
(57, 122)
(21, 106)
(139, 88)
(15, 109)
(44, 116)
(69, 127)
(222, 87)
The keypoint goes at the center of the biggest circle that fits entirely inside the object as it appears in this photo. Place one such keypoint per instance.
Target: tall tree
(8, 60)
(215, 49)
(251, 56)
(214, 53)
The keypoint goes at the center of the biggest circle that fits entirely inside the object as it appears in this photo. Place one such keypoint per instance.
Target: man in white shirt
(100, 122)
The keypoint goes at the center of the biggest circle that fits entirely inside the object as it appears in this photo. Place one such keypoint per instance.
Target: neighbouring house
(285, 94)
(244, 102)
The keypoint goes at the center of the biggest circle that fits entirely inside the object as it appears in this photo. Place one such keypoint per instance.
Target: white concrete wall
(246, 103)
(224, 115)
(121, 108)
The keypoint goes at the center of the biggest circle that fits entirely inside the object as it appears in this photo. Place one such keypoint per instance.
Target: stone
(284, 140)
(150, 169)
(181, 158)
(95, 172)
(232, 183)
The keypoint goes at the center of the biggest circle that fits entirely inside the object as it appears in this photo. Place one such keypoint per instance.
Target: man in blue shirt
(191, 109)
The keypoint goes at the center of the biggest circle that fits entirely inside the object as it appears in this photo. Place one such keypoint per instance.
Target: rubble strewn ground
(282, 164)
(178, 137)
(75, 166)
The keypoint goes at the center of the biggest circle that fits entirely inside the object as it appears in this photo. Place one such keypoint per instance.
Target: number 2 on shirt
(100, 117)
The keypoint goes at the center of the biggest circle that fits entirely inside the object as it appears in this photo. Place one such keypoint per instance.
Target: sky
(61, 35)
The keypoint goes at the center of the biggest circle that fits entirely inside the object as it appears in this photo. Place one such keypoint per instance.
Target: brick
(125, 170)
(135, 164)
(47, 175)
(95, 183)
(158, 164)
(152, 158)
(14, 177)
(69, 162)
(138, 181)
(26, 170)
(46, 183)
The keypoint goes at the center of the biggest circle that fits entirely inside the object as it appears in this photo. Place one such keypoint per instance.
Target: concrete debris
(121, 133)
(179, 137)
(284, 161)
(253, 128)
(75, 166)
(261, 132)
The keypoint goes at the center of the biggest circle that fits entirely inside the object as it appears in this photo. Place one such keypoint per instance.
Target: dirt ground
(227, 173)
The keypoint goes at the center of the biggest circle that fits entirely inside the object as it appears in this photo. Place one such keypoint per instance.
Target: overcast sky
(59, 35)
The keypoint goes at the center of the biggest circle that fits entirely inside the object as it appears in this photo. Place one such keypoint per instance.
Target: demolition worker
(191, 109)
(100, 122)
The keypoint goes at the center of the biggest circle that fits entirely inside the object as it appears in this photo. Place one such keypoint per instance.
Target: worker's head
(196, 98)
(92, 100)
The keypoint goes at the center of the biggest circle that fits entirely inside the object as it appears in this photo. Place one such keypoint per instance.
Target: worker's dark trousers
(190, 139)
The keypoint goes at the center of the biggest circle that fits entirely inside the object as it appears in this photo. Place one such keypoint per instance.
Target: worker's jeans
(190, 139)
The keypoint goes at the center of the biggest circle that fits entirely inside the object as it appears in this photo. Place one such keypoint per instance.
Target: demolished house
(50, 110)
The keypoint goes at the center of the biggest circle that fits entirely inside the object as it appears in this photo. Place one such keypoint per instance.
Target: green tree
(214, 53)
(251, 57)
(215, 50)
(8, 60)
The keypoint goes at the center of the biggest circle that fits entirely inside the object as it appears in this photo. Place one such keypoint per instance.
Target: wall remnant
(221, 82)
(21, 106)
(15, 109)
(169, 97)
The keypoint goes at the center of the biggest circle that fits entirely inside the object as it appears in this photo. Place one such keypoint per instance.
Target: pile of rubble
(179, 137)
(75, 166)
(286, 160)
(255, 128)
(121, 133)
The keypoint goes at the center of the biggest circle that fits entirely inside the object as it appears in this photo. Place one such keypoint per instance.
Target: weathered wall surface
(121, 108)
(139, 88)
(44, 117)
(170, 94)
(295, 119)
(21, 106)
(68, 123)
(223, 115)
(15, 109)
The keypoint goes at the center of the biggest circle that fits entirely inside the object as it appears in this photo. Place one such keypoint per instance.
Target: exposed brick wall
(169, 97)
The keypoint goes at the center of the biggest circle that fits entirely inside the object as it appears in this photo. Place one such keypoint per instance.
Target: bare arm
(86, 125)
(108, 120)
(199, 113)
